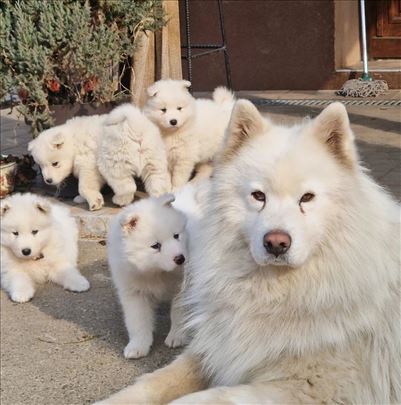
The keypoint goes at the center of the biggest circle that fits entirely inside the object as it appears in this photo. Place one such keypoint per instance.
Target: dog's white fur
(146, 275)
(198, 134)
(71, 148)
(131, 145)
(49, 231)
(318, 324)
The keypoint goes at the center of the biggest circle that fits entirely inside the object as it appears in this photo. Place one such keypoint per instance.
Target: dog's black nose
(179, 259)
(173, 122)
(277, 242)
(26, 251)
(49, 181)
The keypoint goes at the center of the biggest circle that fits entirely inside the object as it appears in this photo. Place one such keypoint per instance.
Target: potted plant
(16, 173)
(69, 53)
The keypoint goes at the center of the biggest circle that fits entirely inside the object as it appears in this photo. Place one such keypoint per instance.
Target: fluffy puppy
(131, 145)
(71, 148)
(146, 250)
(192, 129)
(39, 242)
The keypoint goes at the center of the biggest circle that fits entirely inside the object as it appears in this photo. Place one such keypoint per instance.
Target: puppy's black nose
(179, 259)
(173, 122)
(49, 181)
(277, 242)
(26, 251)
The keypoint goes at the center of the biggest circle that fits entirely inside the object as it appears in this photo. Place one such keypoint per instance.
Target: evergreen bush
(68, 51)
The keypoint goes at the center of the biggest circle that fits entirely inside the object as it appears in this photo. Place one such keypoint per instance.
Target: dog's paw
(96, 203)
(123, 199)
(22, 295)
(176, 339)
(137, 348)
(77, 284)
(78, 199)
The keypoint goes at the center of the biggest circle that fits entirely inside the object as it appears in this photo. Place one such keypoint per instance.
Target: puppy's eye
(15, 233)
(307, 197)
(55, 164)
(259, 196)
(176, 235)
(156, 246)
(34, 232)
(179, 108)
(163, 110)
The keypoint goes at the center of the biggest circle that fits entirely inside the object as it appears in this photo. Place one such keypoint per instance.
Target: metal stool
(211, 48)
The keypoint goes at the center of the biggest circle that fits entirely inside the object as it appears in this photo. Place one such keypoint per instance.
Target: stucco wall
(273, 44)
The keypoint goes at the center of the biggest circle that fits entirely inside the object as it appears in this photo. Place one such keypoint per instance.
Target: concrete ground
(66, 348)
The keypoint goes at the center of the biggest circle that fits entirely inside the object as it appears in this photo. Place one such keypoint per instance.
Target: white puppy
(71, 148)
(39, 242)
(192, 129)
(146, 248)
(131, 145)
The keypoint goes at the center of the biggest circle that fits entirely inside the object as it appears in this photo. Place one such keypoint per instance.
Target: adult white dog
(130, 146)
(192, 129)
(294, 292)
(146, 251)
(39, 242)
(71, 148)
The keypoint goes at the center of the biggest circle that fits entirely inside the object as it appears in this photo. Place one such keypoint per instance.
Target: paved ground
(66, 348)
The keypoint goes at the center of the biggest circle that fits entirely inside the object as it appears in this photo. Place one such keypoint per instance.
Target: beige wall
(346, 22)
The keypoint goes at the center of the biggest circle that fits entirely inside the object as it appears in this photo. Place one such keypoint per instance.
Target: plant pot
(7, 178)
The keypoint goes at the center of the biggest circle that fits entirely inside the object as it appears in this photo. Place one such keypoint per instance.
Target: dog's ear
(129, 222)
(186, 84)
(245, 123)
(332, 127)
(167, 199)
(4, 207)
(152, 90)
(43, 207)
(31, 145)
(57, 140)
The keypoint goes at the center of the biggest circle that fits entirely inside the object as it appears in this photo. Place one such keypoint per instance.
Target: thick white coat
(195, 138)
(50, 233)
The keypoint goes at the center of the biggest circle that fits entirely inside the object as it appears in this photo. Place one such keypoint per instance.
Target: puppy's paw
(78, 199)
(176, 339)
(23, 295)
(123, 199)
(96, 202)
(77, 284)
(137, 348)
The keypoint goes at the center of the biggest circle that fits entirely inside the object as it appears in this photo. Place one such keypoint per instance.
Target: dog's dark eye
(15, 233)
(259, 196)
(34, 232)
(176, 235)
(307, 197)
(156, 246)
(163, 110)
(55, 164)
(179, 108)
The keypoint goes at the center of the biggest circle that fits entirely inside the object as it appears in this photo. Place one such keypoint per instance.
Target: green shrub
(68, 51)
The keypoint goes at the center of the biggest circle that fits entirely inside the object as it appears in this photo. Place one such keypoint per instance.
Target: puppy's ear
(332, 128)
(4, 207)
(31, 145)
(186, 84)
(129, 222)
(167, 199)
(245, 123)
(152, 90)
(57, 140)
(43, 207)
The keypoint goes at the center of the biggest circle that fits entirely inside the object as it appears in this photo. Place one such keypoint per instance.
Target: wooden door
(384, 28)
